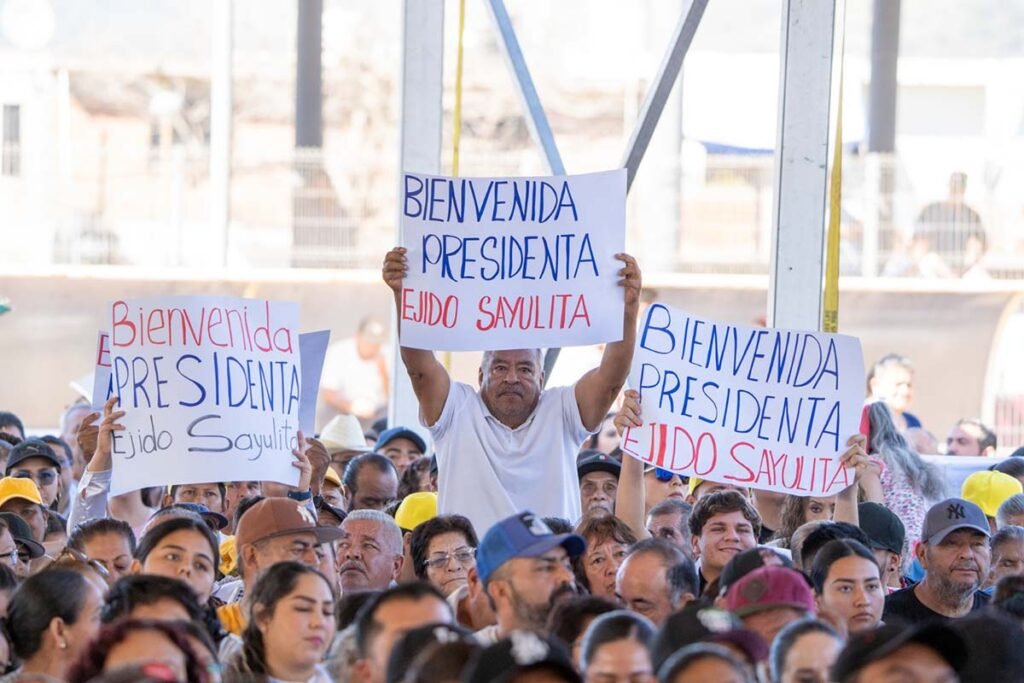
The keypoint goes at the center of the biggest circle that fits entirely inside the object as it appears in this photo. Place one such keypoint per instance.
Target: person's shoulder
(981, 599)
(901, 598)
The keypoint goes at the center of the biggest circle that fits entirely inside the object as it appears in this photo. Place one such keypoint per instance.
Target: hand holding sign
(302, 464)
(101, 459)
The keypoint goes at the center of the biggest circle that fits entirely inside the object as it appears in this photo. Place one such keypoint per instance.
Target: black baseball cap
(592, 460)
(870, 646)
(883, 528)
(22, 534)
(32, 448)
(701, 623)
(520, 652)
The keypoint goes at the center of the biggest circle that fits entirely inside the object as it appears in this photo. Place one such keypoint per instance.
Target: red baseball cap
(767, 588)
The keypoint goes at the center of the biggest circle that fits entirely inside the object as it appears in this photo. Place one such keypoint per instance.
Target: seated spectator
(387, 617)
(744, 563)
(704, 662)
(887, 539)
(970, 437)
(441, 662)
(655, 580)
(891, 380)
(768, 598)
(599, 480)
(722, 525)
(92, 571)
(273, 530)
(569, 620)
(416, 648)
(292, 625)
(799, 510)
(151, 597)
(21, 497)
(955, 555)
(52, 619)
(1007, 546)
(370, 483)
(526, 570)
(11, 424)
(370, 553)
(817, 539)
(661, 485)
(401, 446)
(412, 511)
(443, 551)
(343, 438)
(988, 490)
(216, 521)
(804, 651)
(522, 656)
(133, 643)
(617, 647)
(180, 548)
(331, 491)
(417, 478)
(237, 491)
(607, 541)
(668, 521)
(847, 583)
(1011, 512)
(800, 537)
(925, 652)
(15, 532)
(699, 623)
(67, 482)
(212, 495)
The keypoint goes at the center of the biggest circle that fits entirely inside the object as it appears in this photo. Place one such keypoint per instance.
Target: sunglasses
(667, 475)
(44, 477)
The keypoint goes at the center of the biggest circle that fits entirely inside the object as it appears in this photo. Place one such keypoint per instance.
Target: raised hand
(396, 265)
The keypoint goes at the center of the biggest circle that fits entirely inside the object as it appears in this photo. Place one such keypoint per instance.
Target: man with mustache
(512, 445)
(370, 553)
(525, 569)
(954, 553)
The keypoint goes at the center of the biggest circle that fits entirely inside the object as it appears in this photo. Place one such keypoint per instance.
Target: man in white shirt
(512, 445)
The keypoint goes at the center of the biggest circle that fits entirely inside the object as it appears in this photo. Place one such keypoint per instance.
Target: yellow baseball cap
(18, 487)
(694, 483)
(228, 556)
(988, 490)
(331, 477)
(415, 509)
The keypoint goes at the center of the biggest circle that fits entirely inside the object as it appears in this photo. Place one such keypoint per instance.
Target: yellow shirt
(232, 618)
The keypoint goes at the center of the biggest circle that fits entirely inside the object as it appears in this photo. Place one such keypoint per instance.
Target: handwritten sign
(504, 263)
(762, 408)
(101, 385)
(211, 389)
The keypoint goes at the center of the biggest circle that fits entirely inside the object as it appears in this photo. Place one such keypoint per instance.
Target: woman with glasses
(443, 550)
(34, 459)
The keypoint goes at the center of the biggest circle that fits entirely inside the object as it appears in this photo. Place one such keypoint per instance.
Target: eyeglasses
(44, 477)
(464, 556)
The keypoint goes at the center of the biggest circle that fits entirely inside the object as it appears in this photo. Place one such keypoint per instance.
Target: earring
(63, 645)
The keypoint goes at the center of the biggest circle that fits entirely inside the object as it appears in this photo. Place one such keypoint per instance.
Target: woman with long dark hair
(292, 626)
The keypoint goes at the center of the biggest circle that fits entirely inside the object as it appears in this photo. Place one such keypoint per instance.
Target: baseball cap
(343, 433)
(389, 435)
(743, 563)
(331, 477)
(947, 516)
(700, 622)
(595, 461)
(988, 490)
(213, 519)
(693, 484)
(883, 528)
(417, 640)
(22, 534)
(768, 588)
(32, 448)
(869, 646)
(521, 535)
(521, 652)
(17, 487)
(415, 509)
(273, 517)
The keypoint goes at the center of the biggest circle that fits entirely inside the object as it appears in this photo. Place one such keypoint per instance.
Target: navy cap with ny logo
(951, 514)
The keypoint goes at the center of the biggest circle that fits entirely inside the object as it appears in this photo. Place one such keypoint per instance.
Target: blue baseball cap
(213, 519)
(389, 435)
(521, 535)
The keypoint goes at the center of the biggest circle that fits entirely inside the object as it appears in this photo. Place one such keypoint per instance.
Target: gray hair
(488, 355)
(1007, 534)
(1011, 507)
(390, 535)
(886, 440)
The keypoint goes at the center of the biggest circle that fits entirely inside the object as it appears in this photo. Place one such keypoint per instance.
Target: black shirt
(903, 607)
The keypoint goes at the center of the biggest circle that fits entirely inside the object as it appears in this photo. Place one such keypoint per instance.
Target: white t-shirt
(487, 471)
(350, 375)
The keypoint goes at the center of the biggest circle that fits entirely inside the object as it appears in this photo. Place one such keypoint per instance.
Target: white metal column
(807, 93)
(420, 143)
(221, 90)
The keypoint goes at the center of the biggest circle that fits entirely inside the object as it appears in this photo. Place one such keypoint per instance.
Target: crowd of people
(519, 545)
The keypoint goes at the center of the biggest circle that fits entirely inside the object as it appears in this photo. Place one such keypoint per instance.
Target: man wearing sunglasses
(34, 459)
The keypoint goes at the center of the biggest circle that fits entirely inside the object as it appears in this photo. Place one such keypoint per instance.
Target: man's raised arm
(596, 390)
(430, 380)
